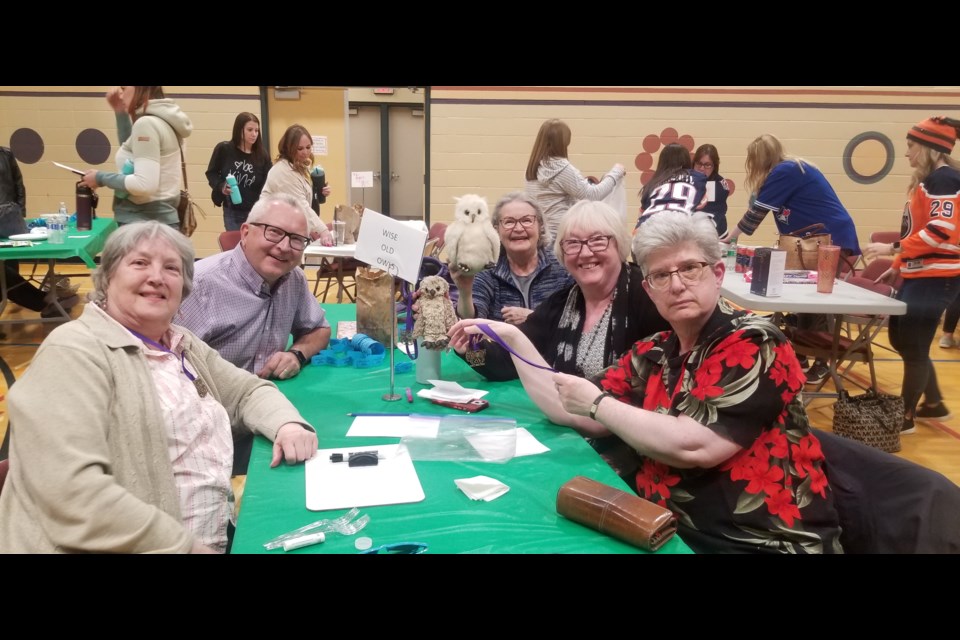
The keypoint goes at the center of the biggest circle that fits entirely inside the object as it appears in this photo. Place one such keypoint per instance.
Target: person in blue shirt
(706, 160)
(526, 273)
(796, 192)
(675, 185)
(798, 195)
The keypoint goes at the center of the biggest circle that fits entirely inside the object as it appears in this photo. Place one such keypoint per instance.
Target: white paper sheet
(527, 445)
(395, 426)
(336, 485)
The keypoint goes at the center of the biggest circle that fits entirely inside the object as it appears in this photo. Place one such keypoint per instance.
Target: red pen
(409, 396)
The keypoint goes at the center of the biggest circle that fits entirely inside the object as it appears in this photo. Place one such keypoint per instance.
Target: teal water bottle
(127, 171)
(235, 196)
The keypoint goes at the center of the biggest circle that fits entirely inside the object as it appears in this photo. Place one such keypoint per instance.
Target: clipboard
(336, 485)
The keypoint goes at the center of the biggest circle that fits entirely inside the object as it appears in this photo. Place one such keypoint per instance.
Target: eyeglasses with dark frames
(276, 236)
(596, 244)
(398, 547)
(703, 165)
(509, 223)
(689, 274)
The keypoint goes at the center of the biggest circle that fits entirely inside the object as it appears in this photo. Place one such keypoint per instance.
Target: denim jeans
(912, 334)
(233, 218)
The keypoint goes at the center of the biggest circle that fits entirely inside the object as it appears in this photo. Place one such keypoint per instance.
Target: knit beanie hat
(938, 133)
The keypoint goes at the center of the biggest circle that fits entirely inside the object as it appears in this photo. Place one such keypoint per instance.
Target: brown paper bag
(376, 304)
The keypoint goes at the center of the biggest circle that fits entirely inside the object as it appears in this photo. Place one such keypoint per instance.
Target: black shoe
(938, 411)
(907, 427)
(817, 373)
(805, 364)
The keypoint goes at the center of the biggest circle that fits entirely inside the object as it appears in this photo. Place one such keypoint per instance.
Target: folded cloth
(616, 513)
(482, 488)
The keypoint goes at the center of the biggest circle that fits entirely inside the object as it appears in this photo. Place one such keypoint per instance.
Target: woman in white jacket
(554, 183)
(291, 175)
(151, 128)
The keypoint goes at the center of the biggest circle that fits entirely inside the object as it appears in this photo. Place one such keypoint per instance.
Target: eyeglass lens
(276, 235)
(573, 247)
(510, 223)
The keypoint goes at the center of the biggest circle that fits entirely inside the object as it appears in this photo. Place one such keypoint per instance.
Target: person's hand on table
(90, 178)
(576, 394)
(282, 365)
(515, 315)
(293, 444)
(325, 237)
(877, 249)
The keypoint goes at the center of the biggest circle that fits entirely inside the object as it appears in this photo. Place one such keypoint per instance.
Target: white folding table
(845, 299)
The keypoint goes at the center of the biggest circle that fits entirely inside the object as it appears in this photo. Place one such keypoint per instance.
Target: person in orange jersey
(928, 258)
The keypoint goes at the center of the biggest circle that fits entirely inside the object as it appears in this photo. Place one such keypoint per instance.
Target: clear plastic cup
(339, 232)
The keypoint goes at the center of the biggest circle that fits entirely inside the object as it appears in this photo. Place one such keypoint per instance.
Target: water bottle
(127, 171)
(319, 179)
(235, 196)
(86, 202)
(731, 258)
(63, 209)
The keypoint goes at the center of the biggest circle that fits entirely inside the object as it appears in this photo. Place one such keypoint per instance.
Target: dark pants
(952, 316)
(233, 218)
(19, 290)
(912, 334)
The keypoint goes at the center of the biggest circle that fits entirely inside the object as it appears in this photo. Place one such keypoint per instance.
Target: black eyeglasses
(276, 236)
(509, 223)
(689, 274)
(399, 547)
(703, 165)
(596, 244)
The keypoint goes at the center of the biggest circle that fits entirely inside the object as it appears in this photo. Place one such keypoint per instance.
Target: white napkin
(449, 390)
(482, 488)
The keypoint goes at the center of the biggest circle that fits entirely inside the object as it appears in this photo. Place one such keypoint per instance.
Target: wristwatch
(896, 247)
(596, 404)
(302, 359)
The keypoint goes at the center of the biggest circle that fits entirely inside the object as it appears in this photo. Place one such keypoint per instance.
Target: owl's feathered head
(433, 287)
(471, 208)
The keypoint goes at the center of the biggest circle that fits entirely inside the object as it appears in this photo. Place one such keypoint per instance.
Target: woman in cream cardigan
(291, 174)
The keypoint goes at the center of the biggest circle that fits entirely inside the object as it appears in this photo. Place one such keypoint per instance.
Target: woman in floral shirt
(712, 408)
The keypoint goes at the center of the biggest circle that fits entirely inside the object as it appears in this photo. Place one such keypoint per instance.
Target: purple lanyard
(157, 345)
(495, 338)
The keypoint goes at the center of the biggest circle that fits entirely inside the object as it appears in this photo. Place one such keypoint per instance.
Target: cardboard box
(768, 267)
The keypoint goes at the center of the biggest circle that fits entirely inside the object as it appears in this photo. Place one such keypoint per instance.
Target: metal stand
(393, 397)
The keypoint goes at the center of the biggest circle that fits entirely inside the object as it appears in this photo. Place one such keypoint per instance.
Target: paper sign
(711, 192)
(361, 179)
(388, 244)
(319, 145)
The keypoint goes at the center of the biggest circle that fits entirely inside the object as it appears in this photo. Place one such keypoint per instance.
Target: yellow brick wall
(481, 137)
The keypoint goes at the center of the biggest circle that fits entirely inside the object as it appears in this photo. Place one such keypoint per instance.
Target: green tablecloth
(79, 244)
(524, 520)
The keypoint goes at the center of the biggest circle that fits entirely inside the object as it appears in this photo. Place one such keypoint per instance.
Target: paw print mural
(653, 143)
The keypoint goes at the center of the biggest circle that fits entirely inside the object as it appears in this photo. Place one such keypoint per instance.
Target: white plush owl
(471, 242)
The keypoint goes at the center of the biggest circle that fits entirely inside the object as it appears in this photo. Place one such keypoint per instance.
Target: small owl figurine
(471, 242)
(436, 314)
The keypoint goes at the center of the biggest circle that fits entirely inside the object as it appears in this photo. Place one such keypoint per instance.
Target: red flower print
(739, 353)
(779, 442)
(655, 479)
(742, 464)
(766, 478)
(615, 381)
(641, 348)
(786, 357)
(818, 482)
(805, 454)
(781, 504)
(707, 374)
(656, 393)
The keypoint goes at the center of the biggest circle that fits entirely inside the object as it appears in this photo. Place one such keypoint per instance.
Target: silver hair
(595, 217)
(126, 239)
(668, 229)
(519, 196)
(262, 206)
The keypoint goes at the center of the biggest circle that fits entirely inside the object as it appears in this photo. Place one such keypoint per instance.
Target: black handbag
(872, 418)
(12, 221)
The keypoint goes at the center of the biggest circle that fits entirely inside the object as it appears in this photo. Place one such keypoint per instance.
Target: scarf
(571, 328)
